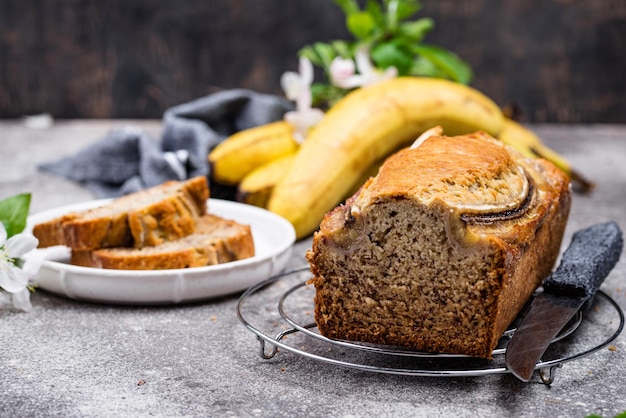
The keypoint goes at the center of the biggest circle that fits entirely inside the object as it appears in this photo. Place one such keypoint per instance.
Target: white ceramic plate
(273, 239)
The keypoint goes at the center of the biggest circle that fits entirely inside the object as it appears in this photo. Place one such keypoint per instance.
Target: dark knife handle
(593, 253)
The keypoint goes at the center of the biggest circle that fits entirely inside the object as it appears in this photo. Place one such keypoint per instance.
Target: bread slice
(145, 218)
(441, 250)
(215, 241)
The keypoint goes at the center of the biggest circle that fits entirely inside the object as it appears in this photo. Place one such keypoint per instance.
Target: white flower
(13, 279)
(342, 71)
(297, 87)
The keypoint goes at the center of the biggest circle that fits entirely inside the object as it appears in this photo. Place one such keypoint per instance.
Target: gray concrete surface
(74, 359)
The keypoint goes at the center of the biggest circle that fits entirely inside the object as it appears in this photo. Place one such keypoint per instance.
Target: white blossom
(13, 279)
(297, 87)
(343, 74)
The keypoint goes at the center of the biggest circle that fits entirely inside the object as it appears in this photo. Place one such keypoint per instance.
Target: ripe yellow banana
(365, 126)
(256, 188)
(246, 150)
(528, 143)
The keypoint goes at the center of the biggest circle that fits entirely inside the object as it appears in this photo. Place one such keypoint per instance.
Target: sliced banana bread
(146, 218)
(215, 241)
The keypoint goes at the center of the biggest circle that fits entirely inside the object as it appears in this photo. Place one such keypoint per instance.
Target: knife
(592, 254)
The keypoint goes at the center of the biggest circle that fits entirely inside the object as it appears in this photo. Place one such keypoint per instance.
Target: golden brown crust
(145, 218)
(215, 241)
(141, 259)
(441, 249)
(107, 231)
(465, 172)
(51, 233)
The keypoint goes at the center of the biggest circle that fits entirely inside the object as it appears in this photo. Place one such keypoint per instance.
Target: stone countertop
(69, 358)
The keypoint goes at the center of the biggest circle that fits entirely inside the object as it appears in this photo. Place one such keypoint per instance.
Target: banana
(256, 188)
(369, 124)
(528, 143)
(246, 150)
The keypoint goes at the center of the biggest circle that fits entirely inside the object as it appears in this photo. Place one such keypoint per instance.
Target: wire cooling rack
(279, 311)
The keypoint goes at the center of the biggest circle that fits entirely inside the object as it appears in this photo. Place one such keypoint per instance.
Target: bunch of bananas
(303, 182)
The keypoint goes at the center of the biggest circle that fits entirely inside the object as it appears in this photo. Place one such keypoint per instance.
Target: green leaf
(447, 62)
(398, 10)
(311, 54)
(325, 52)
(408, 8)
(360, 24)
(375, 10)
(417, 29)
(326, 95)
(392, 54)
(425, 68)
(343, 48)
(391, 14)
(348, 6)
(320, 54)
(14, 212)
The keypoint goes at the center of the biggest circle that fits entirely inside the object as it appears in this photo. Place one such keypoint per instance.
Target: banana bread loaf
(146, 218)
(215, 241)
(441, 250)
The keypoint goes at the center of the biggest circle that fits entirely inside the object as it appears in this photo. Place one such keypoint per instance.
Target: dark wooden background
(557, 60)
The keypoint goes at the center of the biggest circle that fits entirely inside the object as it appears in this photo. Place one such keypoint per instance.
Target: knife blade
(592, 254)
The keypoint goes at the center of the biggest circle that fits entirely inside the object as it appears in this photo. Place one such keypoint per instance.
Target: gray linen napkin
(127, 160)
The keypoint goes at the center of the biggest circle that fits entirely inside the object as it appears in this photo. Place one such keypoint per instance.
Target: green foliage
(14, 212)
(448, 63)
(394, 37)
(620, 415)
